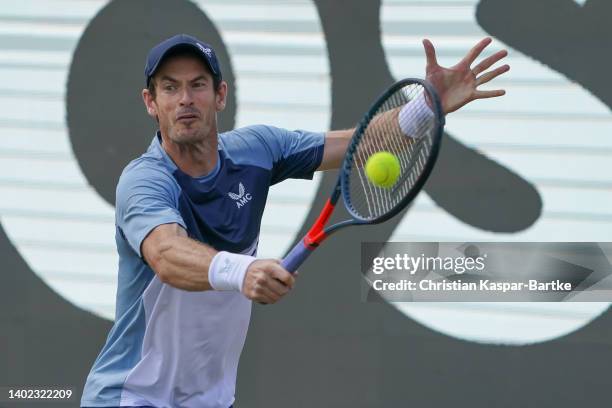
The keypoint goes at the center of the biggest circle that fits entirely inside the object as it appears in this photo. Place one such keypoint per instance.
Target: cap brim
(174, 47)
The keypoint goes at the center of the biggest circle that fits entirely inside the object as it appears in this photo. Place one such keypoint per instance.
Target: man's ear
(149, 102)
(221, 96)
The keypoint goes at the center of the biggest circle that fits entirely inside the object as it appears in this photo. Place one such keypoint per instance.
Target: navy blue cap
(157, 54)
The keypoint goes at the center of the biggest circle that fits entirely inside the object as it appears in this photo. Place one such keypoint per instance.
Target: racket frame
(344, 175)
(318, 232)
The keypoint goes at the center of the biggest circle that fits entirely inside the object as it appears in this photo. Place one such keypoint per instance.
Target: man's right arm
(185, 263)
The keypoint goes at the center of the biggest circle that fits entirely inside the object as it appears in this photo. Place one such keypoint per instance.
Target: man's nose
(186, 96)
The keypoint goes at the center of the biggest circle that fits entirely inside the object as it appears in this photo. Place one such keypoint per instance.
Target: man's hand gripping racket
(388, 160)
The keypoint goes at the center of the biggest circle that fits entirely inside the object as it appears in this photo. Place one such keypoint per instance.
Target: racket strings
(383, 132)
(372, 143)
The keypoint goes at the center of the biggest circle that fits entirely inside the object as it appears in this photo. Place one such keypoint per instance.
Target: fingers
(487, 62)
(280, 274)
(266, 296)
(430, 53)
(475, 51)
(278, 288)
(267, 282)
(483, 66)
(258, 287)
(483, 79)
(489, 94)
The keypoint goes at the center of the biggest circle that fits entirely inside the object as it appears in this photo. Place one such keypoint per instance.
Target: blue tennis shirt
(169, 347)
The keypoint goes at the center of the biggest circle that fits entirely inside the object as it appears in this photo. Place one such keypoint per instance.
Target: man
(188, 214)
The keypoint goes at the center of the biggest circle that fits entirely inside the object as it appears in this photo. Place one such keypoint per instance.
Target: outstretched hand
(457, 85)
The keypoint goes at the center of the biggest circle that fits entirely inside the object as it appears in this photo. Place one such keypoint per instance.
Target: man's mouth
(187, 117)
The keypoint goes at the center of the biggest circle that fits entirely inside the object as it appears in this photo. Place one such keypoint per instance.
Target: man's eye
(199, 84)
(169, 87)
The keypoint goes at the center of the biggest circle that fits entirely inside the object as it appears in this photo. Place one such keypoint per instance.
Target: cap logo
(205, 50)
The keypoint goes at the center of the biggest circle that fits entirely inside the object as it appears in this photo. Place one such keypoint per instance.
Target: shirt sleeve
(145, 199)
(295, 153)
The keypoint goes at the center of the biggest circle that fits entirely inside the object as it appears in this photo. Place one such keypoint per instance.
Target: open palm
(457, 85)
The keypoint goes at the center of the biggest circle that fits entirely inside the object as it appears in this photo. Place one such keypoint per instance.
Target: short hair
(185, 51)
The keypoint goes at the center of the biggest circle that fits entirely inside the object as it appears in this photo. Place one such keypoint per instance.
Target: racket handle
(296, 257)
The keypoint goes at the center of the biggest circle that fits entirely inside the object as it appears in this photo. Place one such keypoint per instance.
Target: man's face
(185, 101)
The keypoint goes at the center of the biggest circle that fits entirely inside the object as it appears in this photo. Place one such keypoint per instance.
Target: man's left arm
(334, 150)
(456, 86)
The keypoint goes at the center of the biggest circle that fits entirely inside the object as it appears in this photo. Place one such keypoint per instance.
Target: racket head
(367, 202)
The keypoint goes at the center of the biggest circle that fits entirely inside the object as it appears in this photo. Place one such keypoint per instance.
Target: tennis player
(188, 215)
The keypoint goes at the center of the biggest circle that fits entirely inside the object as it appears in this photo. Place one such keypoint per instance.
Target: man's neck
(197, 159)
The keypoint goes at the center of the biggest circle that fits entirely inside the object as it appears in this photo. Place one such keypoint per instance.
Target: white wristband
(414, 116)
(227, 270)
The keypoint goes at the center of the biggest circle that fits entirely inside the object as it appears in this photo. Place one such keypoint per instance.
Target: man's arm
(176, 259)
(456, 86)
(336, 143)
(184, 263)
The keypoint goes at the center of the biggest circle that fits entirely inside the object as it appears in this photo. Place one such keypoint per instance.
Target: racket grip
(296, 257)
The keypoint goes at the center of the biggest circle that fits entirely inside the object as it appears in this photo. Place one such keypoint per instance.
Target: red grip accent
(316, 234)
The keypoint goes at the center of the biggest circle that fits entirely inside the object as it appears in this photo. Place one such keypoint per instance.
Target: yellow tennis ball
(383, 169)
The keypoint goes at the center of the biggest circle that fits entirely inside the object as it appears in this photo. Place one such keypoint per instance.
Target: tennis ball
(383, 169)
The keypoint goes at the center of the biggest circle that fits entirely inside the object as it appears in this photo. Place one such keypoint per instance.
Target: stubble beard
(194, 134)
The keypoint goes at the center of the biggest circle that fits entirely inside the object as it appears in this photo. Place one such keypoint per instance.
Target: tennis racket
(407, 121)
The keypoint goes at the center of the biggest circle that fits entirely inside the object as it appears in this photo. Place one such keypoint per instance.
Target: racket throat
(317, 234)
